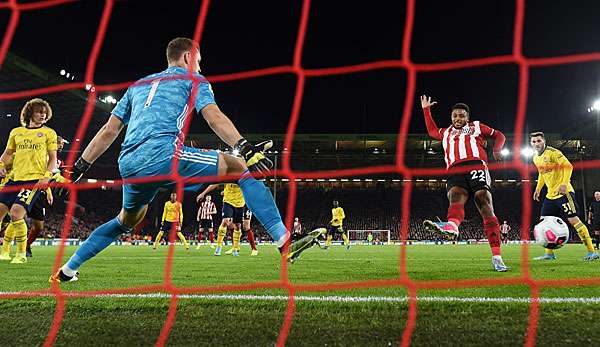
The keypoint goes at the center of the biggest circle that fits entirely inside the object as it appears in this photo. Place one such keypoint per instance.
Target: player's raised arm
(208, 189)
(99, 144)
(432, 128)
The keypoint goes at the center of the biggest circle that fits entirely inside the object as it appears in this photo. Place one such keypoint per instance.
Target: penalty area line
(325, 298)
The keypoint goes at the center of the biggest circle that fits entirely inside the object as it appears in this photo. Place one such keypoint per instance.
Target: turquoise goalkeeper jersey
(155, 110)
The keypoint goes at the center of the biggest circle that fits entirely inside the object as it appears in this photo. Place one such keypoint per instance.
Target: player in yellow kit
(172, 214)
(554, 171)
(336, 225)
(32, 150)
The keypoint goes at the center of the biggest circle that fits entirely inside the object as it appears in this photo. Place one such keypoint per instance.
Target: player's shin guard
(100, 238)
(250, 237)
(221, 235)
(183, 240)
(158, 238)
(261, 203)
(237, 235)
(584, 235)
(492, 231)
(20, 230)
(9, 236)
(456, 213)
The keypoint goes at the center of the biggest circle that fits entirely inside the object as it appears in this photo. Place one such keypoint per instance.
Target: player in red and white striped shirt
(463, 143)
(205, 220)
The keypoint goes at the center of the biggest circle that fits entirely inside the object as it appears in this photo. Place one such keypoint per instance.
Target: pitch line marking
(342, 299)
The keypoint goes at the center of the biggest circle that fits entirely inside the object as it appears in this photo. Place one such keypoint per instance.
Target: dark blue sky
(243, 35)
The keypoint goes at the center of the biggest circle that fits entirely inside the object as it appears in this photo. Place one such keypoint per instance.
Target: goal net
(379, 236)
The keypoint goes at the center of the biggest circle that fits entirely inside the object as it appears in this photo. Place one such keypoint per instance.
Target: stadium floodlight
(68, 75)
(62, 72)
(505, 152)
(9, 115)
(527, 152)
(596, 105)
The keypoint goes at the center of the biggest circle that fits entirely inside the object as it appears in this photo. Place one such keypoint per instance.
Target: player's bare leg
(457, 196)
(483, 201)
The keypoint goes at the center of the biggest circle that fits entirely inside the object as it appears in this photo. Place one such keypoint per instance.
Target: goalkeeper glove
(79, 169)
(254, 155)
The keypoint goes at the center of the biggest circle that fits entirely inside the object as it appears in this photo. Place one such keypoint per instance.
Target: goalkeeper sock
(456, 213)
(100, 238)
(20, 229)
(237, 235)
(345, 238)
(328, 242)
(158, 238)
(261, 203)
(183, 240)
(9, 236)
(221, 235)
(492, 231)
(584, 235)
(250, 237)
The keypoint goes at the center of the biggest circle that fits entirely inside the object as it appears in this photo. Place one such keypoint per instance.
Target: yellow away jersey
(173, 212)
(31, 148)
(554, 169)
(233, 195)
(337, 216)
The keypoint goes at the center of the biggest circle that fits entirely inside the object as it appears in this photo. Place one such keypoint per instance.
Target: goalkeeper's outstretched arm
(103, 139)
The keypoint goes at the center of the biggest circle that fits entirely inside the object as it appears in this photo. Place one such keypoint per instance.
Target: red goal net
(403, 62)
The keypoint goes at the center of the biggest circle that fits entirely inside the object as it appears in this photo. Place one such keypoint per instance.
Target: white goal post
(380, 235)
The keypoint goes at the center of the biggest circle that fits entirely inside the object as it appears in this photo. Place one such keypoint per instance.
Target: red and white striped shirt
(206, 210)
(505, 228)
(465, 144)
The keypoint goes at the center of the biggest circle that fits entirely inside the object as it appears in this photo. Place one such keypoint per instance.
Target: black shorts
(236, 213)
(504, 235)
(472, 181)
(166, 227)
(206, 223)
(40, 207)
(247, 213)
(26, 197)
(565, 206)
(335, 230)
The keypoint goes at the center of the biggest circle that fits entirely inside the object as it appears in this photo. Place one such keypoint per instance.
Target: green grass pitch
(473, 316)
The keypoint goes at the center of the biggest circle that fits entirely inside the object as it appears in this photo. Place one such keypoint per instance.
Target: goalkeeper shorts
(193, 162)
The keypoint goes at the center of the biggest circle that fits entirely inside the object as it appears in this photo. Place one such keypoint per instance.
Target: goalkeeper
(155, 109)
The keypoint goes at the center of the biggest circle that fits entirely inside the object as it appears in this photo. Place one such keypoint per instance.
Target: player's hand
(2, 171)
(498, 156)
(50, 199)
(199, 197)
(426, 101)
(562, 189)
(536, 195)
(255, 155)
(80, 167)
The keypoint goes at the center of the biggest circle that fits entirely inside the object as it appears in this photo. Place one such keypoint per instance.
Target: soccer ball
(551, 232)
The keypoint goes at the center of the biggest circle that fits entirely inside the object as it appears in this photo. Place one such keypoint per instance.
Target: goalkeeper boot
(217, 251)
(60, 277)
(299, 246)
(230, 251)
(498, 264)
(5, 256)
(449, 229)
(254, 252)
(546, 256)
(591, 256)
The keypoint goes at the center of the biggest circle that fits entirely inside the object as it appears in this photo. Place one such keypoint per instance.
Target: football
(551, 232)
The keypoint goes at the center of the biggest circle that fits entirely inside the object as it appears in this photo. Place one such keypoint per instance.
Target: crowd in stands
(365, 209)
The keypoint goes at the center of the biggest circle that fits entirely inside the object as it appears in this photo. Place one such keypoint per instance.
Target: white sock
(497, 257)
(68, 271)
